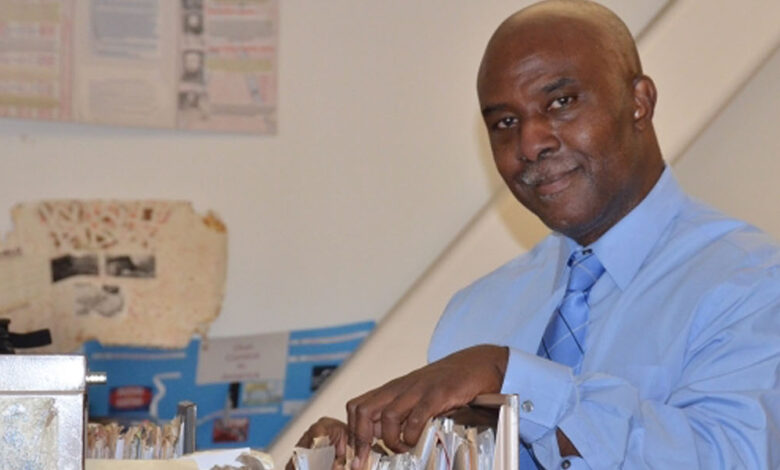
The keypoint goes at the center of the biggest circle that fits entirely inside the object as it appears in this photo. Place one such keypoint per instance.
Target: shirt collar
(625, 246)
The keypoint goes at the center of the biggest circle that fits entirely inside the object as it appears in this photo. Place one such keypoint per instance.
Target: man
(645, 331)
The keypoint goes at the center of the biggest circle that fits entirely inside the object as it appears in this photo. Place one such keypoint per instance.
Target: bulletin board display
(187, 64)
(246, 388)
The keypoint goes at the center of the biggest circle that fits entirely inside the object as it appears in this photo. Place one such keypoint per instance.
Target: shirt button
(527, 406)
(565, 464)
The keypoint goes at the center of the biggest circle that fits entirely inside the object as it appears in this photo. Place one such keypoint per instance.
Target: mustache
(540, 171)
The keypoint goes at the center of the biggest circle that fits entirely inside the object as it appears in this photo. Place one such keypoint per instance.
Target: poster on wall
(190, 64)
(36, 41)
(246, 388)
(140, 272)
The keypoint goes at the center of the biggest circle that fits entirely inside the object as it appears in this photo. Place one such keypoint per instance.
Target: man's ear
(644, 101)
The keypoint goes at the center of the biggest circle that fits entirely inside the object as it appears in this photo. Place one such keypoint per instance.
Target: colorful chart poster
(36, 59)
(246, 388)
(188, 64)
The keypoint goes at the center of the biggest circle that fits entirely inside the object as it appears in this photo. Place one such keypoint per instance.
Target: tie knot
(586, 269)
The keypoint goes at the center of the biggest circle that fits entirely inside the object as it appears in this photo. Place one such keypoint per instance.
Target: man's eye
(505, 123)
(561, 102)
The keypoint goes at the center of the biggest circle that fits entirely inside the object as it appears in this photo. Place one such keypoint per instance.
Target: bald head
(596, 19)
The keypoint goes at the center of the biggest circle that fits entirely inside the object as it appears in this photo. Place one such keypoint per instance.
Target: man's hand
(397, 411)
(337, 433)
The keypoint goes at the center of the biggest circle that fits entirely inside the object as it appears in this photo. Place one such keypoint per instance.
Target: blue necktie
(564, 339)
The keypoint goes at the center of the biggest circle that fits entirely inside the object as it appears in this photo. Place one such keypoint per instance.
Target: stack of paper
(229, 459)
(143, 441)
(442, 446)
(463, 440)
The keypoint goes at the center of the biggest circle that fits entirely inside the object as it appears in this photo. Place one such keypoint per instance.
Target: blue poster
(246, 388)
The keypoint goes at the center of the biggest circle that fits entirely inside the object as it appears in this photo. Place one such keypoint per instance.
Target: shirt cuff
(545, 389)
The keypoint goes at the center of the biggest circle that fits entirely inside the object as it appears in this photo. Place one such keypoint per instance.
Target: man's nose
(537, 139)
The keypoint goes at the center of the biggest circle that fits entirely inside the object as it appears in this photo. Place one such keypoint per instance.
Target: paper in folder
(481, 436)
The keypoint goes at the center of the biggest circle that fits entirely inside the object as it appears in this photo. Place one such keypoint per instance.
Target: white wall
(735, 163)
(377, 165)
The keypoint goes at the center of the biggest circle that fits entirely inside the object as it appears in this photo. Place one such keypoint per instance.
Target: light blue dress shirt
(682, 357)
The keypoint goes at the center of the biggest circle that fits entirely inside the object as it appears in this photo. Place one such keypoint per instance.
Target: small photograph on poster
(192, 4)
(192, 62)
(193, 102)
(138, 266)
(231, 430)
(129, 398)
(71, 265)
(319, 374)
(267, 392)
(104, 300)
(192, 23)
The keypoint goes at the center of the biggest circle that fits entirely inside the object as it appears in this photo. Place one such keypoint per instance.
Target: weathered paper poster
(122, 272)
(36, 58)
(191, 64)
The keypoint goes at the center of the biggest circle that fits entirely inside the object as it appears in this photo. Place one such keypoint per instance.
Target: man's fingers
(340, 461)
(335, 430)
(377, 398)
(307, 439)
(361, 455)
(403, 406)
(362, 432)
(339, 441)
(428, 407)
(352, 409)
(363, 419)
(393, 420)
(377, 428)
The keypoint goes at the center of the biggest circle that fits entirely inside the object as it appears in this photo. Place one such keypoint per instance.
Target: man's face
(558, 111)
